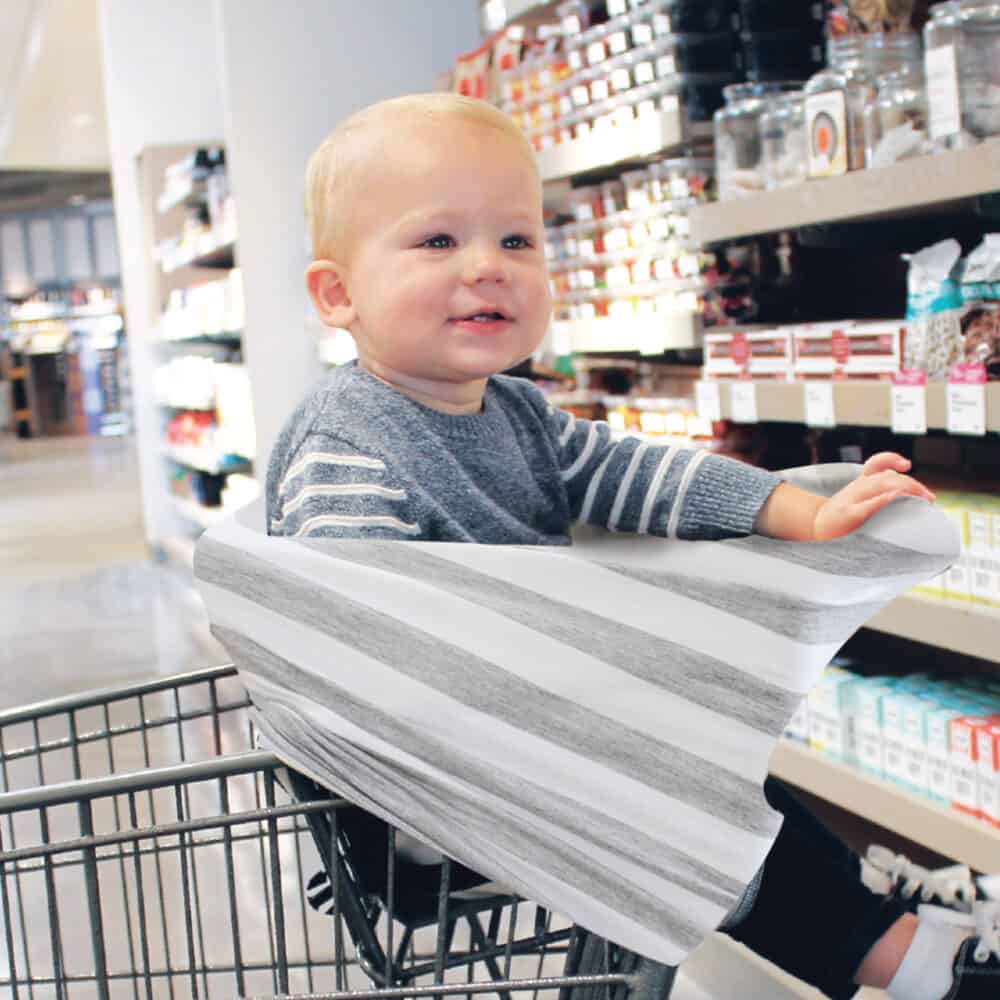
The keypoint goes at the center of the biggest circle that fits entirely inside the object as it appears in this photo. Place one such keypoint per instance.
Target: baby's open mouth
(487, 316)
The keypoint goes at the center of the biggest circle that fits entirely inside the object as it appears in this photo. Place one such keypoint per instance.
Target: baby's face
(447, 275)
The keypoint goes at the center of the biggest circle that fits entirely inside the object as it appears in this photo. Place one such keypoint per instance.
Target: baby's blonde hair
(336, 169)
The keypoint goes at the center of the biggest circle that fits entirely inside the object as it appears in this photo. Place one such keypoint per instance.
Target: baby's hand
(881, 482)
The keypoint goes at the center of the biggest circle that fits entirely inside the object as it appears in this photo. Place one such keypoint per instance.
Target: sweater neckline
(485, 423)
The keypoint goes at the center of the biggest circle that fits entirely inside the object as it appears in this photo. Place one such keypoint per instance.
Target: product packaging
(761, 354)
(980, 320)
(934, 310)
(849, 350)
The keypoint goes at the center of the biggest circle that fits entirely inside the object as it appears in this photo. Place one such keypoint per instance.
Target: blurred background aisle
(81, 604)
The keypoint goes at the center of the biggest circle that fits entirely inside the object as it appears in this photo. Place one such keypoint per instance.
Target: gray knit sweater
(359, 460)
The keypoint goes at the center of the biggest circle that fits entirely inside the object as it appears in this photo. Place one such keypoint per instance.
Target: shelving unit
(942, 829)
(861, 404)
(963, 628)
(647, 335)
(942, 182)
(208, 258)
(645, 136)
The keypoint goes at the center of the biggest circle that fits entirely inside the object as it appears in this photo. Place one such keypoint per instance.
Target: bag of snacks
(934, 310)
(981, 314)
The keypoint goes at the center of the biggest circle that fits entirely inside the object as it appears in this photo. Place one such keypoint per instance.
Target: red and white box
(758, 354)
(963, 747)
(849, 350)
(988, 753)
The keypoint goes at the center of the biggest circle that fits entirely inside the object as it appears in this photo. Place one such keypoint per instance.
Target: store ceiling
(51, 87)
(35, 191)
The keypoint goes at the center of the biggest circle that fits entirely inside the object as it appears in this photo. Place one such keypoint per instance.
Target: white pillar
(162, 86)
(291, 72)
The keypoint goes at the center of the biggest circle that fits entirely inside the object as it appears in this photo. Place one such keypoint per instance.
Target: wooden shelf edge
(913, 186)
(943, 830)
(859, 404)
(966, 629)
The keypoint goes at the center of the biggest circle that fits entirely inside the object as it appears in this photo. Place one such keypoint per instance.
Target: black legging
(812, 915)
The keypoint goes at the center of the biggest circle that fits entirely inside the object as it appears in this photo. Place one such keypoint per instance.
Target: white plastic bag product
(934, 310)
(589, 725)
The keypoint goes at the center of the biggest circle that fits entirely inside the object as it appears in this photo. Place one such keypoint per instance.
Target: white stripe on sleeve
(584, 457)
(567, 430)
(675, 513)
(356, 521)
(626, 485)
(329, 458)
(334, 490)
(591, 495)
(654, 491)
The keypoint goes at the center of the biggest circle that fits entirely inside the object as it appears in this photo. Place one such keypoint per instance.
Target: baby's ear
(325, 281)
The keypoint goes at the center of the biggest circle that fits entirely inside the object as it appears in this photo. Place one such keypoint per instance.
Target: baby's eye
(439, 241)
(516, 242)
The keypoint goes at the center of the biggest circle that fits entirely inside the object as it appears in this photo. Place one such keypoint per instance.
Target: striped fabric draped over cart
(589, 725)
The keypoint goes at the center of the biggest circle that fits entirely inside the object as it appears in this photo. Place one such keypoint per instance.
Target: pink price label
(909, 376)
(739, 349)
(840, 346)
(967, 374)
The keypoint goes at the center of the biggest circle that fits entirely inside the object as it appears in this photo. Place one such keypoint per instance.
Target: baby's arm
(798, 515)
(631, 485)
(330, 489)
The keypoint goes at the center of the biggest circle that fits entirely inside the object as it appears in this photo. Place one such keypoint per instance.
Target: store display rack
(967, 840)
(961, 628)
(939, 182)
(932, 184)
(858, 404)
(644, 136)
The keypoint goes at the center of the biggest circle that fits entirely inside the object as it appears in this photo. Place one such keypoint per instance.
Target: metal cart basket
(148, 850)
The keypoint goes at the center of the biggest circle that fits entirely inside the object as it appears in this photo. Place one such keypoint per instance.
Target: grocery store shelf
(646, 334)
(927, 183)
(196, 459)
(961, 628)
(633, 140)
(860, 404)
(938, 827)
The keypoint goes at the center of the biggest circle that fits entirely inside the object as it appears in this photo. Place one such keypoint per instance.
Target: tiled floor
(81, 604)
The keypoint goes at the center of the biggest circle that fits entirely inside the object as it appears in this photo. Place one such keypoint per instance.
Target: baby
(426, 221)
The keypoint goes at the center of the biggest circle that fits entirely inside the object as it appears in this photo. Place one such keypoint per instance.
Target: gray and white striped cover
(589, 725)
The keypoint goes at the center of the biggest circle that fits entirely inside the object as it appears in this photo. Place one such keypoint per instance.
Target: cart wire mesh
(184, 876)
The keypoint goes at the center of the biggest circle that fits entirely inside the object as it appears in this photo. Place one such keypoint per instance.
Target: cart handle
(87, 789)
(101, 696)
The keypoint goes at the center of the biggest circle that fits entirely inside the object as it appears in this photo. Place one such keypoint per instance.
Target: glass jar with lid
(738, 152)
(896, 122)
(835, 101)
(942, 43)
(979, 68)
(784, 147)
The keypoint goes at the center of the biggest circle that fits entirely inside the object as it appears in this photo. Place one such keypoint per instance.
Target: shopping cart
(147, 850)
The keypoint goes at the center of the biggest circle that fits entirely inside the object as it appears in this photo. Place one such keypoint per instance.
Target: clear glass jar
(896, 122)
(738, 152)
(942, 43)
(835, 101)
(784, 144)
(979, 68)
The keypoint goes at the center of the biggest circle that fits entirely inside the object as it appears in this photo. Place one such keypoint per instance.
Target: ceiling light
(77, 199)
(83, 119)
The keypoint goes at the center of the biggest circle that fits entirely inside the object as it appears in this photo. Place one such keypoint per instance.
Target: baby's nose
(486, 265)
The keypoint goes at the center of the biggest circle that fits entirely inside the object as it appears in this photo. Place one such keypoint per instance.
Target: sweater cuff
(724, 498)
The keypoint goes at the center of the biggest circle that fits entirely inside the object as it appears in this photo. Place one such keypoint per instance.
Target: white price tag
(909, 409)
(967, 409)
(743, 402)
(708, 401)
(819, 404)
